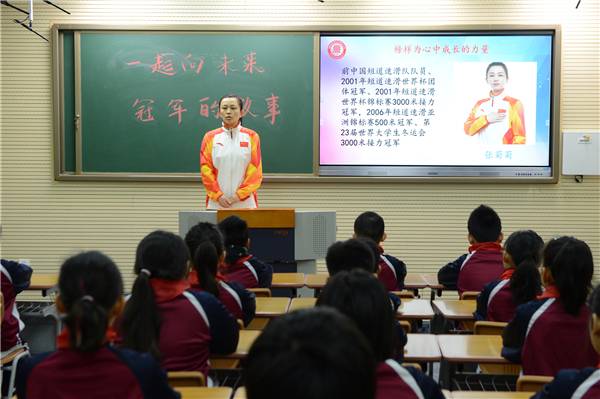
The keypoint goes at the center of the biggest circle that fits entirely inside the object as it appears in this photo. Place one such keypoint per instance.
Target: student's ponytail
(90, 284)
(525, 249)
(206, 262)
(162, 255)
(571, 263)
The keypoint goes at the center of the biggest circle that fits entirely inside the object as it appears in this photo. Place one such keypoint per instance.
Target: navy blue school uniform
(495, 301)
(243, 268)
(106, 372)
(192, 325)
(396, 381)
(472, 271)
(393, 272)
(544, 338)
(573, 384)
(239, 301)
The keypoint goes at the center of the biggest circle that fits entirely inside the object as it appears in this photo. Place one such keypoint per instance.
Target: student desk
(271, 307)
(432, 282)
(288, 280)
(414, 282)
(468, 349)
(240, 393)
(301, 303)
(316, 282)
(247, 338)
(422, 348)
(414, 309)
(456, 309)
(491, 395)
(47, 283)
(204, 393)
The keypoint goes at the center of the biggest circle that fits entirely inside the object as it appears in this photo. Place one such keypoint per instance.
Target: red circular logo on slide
(336, 49)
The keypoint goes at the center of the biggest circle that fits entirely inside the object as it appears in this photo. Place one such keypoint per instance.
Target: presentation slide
(436, 99)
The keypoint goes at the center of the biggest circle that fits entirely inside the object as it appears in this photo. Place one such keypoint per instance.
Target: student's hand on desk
(234, 199)
(224, 202)
(495, 117)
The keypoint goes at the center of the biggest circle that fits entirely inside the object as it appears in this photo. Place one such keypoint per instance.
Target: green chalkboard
(147, 99)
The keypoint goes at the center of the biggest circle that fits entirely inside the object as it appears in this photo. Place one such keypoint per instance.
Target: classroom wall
(46, 221)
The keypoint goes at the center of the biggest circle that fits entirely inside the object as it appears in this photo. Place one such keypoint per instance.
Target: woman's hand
(224, 202)
(495, 117)
(234, 199)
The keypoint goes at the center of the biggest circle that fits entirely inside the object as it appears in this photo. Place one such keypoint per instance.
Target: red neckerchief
(165, 290)
(239, 261)
(63, 340)
(508, 274)
(486, 246)
(193, 278)
(551, 292)
(380, 248)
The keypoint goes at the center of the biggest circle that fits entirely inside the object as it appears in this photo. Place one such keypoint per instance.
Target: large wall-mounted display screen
(437, 104)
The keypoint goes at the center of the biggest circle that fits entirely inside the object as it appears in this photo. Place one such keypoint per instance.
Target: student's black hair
(374, 250)
(363, 298)
(348, 255)
(163, 255)
(315, 353)
(484, 224)
(205, 242)
(371, 225)
(525, 248)
(493, 64)
(571, 263)
(594, 301)
(90, 284)
(235, 230)
(239, 101)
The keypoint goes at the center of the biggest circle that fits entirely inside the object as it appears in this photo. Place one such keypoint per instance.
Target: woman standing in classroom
(230, 160)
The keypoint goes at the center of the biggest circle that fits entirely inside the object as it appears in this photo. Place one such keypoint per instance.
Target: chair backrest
(532, 383)
(261, 292)
(405, 325)
(240, 324)
(415, 365)
(404, 294)
(186, 379)
(469, 295)
(489, 328)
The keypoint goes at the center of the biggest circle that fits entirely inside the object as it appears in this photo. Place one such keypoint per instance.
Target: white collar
(233, 129)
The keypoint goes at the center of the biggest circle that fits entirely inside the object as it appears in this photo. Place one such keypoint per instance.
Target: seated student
(239, 265)
(584, 384)
(363, 298)
(353, 254)
(205, 243)
(315, 353)
(15, 278)
(165, 317)
(393, 270)
(86, 365)
(520, 282)
(483, 263)
(361, 253)
(551, 333)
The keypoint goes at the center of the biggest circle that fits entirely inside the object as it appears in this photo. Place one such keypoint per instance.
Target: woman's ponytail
(163, 255)
(572, 265)
(141, 319)
(90, 285)
(206, 262)
(525, 249)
